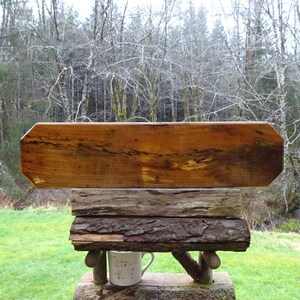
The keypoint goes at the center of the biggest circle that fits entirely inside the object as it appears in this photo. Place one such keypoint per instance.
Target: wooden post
(189, 264)
(205, 271)
(202, 272)
(97, 261)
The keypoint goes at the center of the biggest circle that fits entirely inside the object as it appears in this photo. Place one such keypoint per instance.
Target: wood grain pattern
(152, 155)
(158, 286)
(159, 234)
(161, 202)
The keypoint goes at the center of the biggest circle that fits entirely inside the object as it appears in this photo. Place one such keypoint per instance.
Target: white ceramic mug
(125, 267)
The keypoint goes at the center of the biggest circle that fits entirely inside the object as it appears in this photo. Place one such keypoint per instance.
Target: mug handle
(148, 263)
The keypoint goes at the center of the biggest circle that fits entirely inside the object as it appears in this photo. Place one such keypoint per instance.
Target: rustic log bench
(159, 187)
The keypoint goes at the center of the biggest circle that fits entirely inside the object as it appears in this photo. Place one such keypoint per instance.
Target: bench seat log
(159, 234)
(224, 203)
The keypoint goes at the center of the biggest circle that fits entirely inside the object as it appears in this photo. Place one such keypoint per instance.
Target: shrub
(291, 225)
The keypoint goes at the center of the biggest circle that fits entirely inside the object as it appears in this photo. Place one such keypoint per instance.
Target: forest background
(171, 62)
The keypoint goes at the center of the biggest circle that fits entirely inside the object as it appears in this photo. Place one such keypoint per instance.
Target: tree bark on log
(159, 234)
(160, 202)
(158, 286)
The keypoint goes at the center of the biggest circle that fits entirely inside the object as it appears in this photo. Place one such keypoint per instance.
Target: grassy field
(38, 262)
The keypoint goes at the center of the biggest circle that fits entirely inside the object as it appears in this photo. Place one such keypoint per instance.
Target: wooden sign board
(151, 155)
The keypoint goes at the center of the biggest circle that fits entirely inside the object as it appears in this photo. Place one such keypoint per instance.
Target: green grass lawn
(37, 261)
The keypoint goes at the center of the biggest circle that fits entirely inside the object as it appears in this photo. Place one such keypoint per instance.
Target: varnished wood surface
(159, 234)
(152, 155)
(160, 202)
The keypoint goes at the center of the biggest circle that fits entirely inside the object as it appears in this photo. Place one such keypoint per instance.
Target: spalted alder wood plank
(158, 202)
(152, 155)
(159, 234)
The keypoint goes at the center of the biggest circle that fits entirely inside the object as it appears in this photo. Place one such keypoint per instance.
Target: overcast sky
(214, 7)
(84, 7)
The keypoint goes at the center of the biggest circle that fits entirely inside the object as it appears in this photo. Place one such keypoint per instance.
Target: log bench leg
(200, 272)
(97, 261)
